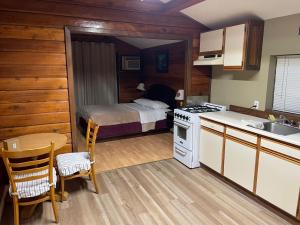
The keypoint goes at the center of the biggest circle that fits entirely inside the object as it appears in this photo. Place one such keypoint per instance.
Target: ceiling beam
(175, 6)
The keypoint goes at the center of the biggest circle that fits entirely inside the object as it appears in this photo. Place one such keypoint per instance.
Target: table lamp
(180, 97)
(141, 87)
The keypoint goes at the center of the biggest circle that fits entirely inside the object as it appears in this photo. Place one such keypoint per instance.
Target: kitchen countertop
(234, 119)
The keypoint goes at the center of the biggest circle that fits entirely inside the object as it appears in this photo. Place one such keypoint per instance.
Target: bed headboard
(162, 93)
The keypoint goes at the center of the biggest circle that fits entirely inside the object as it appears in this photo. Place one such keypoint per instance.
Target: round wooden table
(34, 141)
(40, 140)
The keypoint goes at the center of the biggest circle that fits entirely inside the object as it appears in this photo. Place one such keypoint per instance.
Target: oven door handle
(181, 125)
(180, 152)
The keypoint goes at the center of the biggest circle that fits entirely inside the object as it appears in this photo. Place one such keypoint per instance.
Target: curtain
(95, 76)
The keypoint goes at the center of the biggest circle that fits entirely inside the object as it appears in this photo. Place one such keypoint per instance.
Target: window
(287, 84)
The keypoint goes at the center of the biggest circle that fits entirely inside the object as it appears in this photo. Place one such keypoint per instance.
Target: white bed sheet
(147, 114)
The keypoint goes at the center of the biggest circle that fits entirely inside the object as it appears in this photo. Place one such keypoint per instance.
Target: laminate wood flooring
(131, 151)
(157, 193)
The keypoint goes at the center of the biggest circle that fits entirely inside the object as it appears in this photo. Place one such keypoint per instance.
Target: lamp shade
(179, 95)
(141, 87)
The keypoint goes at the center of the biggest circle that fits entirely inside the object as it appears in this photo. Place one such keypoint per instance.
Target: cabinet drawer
(281, 148)
(243, 135)
(212, 125)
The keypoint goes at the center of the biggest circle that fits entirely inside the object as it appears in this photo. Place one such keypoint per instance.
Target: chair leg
(53, 202)
(62, 184)
(94, 179)
(16, 210)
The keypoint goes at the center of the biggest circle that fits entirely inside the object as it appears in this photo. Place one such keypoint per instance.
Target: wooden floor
(131, 151)
(158, 193)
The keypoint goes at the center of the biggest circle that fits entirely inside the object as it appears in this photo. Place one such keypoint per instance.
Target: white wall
(281, 37)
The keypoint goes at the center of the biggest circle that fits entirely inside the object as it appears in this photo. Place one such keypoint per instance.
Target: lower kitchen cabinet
(278, 181)
(211, 147)
(239, 163)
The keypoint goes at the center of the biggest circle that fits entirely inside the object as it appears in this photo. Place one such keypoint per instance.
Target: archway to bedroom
(125, 82)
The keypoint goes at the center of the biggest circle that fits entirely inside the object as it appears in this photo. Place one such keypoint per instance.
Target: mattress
(123, 119)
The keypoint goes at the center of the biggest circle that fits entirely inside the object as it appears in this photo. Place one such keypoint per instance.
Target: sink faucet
(285, 121)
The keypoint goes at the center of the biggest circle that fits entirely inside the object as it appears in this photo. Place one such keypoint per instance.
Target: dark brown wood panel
(18, 131)
(33, 108)
(131, 5)
(201, 77)
(34, 119)
(35, 33)
(10, 71)
(33, 96)
(97, 13)
(14, 45)
(32, 58)
(176, 74)
(39, 19)
(18, 84)
(264, 114)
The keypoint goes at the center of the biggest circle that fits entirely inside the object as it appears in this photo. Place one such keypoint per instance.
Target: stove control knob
(184, 117)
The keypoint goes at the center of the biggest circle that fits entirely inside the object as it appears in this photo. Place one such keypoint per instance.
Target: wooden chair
(32, 177)
(79, 164)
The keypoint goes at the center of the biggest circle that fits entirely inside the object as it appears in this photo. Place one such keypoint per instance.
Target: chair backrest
(91, 136)
(20, 165)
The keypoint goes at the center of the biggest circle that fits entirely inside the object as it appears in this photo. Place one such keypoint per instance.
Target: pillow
(151, 103)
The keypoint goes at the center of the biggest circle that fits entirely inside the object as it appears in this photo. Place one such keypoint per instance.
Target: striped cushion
(29, 189)
(71, 163)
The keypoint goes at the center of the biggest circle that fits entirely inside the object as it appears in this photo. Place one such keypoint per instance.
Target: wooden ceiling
(149, 6)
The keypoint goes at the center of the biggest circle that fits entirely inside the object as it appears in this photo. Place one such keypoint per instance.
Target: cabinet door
(239, 164)
(211, 147)
(211, 41)
(234, 46)
(278, 181)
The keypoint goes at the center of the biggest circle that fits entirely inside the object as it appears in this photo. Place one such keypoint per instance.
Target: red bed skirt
(119, 130)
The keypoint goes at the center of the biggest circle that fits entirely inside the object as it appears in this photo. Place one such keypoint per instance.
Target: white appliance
(187, 130)
(211, 48)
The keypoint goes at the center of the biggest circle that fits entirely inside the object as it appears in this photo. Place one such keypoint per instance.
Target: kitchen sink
(281, 129)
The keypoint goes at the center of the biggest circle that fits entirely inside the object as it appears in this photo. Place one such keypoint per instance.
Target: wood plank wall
(174, 78)
(200, 76)
(33, 81)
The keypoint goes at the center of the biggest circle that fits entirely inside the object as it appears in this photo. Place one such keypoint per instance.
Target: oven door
(183, 134)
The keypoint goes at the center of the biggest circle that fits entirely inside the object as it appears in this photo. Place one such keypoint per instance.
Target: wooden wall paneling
(34, 119)
(30, 32)
(46, 128)
(72, 100)
(14, 45)
(263, 114)
(33, 108)
(176, 74)
(33, 96)
(32, 58)
(57, 21)
(200, 81)
(97, 13)
(18, 84)
(24, 71)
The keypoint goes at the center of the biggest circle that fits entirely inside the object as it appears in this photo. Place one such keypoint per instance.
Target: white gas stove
(187, 132)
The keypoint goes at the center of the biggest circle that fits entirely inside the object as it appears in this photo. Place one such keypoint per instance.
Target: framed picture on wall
(130, 63)
(162, 61)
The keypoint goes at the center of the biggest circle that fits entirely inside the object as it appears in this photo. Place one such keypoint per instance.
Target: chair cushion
(71, 163)
(29, 189)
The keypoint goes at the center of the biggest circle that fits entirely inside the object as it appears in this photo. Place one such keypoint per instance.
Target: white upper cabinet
(234, 46)
(237, 47)
(211, 42)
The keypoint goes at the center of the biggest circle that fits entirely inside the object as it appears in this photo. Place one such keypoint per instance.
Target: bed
(143, 115)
